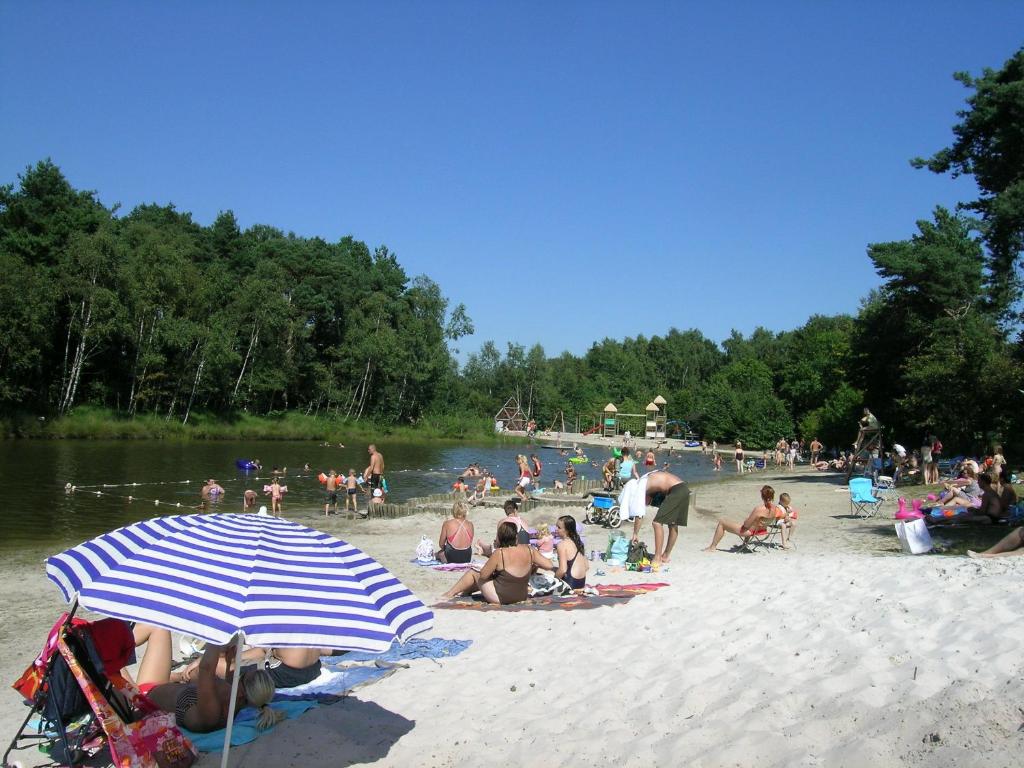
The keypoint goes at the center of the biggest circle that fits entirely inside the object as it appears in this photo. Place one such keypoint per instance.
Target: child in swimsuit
(786, 516)
(352, 491)
(276, 491)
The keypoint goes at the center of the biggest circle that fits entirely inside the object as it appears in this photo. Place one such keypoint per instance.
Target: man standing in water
(670, 495)
(375, 470)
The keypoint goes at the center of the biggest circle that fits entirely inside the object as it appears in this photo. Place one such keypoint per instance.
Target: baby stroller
(79, 709)
(603, 510)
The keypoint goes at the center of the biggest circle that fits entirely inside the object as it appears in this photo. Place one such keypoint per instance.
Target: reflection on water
(40, 515)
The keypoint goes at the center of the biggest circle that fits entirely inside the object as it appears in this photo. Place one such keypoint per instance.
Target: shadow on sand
(349, 732)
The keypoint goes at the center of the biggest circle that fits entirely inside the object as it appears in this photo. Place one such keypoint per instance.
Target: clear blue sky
(568, 170)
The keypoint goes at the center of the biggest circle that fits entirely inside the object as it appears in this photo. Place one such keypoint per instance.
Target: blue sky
(569, 171)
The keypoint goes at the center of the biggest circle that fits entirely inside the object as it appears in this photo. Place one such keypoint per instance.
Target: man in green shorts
(671, 496)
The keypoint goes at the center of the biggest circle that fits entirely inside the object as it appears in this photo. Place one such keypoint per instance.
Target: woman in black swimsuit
(455, 544)
(572, 562)
(506, 574)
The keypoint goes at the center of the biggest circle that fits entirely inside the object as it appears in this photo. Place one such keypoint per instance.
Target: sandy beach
(840, 652)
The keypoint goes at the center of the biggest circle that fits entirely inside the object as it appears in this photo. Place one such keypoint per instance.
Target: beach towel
(244, 729)
(455, 567)
(607, 594)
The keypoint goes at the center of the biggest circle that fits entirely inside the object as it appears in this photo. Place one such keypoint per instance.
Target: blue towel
(434, 648)
(244, 729)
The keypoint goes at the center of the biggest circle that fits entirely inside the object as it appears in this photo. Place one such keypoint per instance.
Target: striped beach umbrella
(221, 577)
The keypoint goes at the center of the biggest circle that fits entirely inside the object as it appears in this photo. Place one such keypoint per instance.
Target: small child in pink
(545, 541)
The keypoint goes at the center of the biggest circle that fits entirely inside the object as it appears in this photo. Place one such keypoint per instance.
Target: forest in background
(151, 319)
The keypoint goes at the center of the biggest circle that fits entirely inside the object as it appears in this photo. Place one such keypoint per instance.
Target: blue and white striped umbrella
(212, 576)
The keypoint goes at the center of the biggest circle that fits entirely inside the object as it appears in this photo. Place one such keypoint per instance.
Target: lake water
(40, 515)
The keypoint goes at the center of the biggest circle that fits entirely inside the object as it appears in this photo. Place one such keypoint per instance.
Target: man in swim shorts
(670, 495)
(375, 469)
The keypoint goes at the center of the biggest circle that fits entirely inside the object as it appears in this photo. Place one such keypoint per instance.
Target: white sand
(840, 653)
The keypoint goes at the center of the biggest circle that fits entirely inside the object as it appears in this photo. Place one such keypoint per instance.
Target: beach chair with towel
(78, 708)
(863, 500)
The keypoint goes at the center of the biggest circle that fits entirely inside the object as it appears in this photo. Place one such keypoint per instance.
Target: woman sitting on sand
(455, 544)
(962, 492)
(202, 704)
(1011, 545)
(505, 577)
(572, 562)
(755, 520)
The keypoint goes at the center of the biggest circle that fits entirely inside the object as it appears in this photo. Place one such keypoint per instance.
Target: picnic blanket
(607, 594)
(339, 675)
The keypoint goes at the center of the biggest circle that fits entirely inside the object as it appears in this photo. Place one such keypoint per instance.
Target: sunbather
(455, 543)
(755, 520)
(202, 704)
(1011, 545)
(985, 509)
(572, 560)
(288, 667)
(505, 577)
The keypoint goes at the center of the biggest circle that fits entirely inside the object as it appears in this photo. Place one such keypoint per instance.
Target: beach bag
(638, 553)
(425, 550)
(618, 550)
(914, 536)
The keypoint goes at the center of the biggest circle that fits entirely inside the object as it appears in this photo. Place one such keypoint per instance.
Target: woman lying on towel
(505, 577)
(288, 667)
(201, 705)
(755, 521)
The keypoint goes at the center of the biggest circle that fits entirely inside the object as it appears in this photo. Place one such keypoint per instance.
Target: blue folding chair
(862, 499)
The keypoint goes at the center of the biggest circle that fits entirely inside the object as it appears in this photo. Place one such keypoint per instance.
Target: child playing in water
(570, 476)
(276, 491)
(786, 516)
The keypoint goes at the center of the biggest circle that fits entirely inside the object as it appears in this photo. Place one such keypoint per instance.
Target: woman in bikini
(201, 705)
(505, 577)
(572, 563)
(455, 544)
(755, 520)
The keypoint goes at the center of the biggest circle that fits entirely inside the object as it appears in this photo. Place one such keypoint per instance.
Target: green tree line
(153, 313)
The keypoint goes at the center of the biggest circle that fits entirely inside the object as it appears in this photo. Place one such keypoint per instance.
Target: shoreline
(841, 651)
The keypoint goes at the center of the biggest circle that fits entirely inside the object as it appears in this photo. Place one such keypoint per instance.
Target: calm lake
(40, 516)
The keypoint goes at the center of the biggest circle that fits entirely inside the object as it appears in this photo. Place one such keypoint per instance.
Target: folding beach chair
(885, 488)
(78, 709)
(862, 499)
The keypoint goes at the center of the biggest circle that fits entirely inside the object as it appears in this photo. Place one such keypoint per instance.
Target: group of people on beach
(517, 553)
(371, 482)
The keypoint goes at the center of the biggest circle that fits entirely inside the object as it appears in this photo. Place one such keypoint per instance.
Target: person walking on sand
(670, 495)
(375, 469)
(331, 493)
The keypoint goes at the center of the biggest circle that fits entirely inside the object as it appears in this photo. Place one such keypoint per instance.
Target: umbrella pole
(231, 703)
